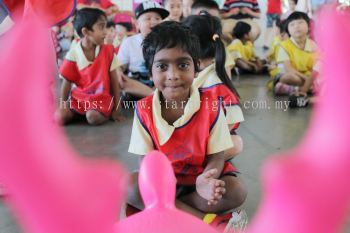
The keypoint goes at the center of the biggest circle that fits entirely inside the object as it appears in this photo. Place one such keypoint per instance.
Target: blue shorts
(271, 18)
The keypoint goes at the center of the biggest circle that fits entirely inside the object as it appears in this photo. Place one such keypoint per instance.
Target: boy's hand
(117, 116)
(210, 188)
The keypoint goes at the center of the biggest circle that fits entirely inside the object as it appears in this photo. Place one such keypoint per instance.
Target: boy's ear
(84, 31)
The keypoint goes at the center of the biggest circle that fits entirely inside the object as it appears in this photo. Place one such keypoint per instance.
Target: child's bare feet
(209, 188)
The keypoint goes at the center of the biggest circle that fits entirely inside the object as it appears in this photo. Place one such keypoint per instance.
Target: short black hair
(241, 29)
(170, 34)
(110, 24)
(86, 18)
(210, 4)
(295, 16)
(128, 26)
(282, 26)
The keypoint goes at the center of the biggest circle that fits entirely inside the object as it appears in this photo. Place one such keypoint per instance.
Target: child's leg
(94, 117)
(64, 115)
(291, 79)
(134, 199)
(234, 197)
(240, 63)
(307, 86)
(259, 65)
(233, 151)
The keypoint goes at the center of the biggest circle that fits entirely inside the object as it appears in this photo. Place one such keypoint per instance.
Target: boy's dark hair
(209, 31)
(209, 4)
(170, 34)
(295, 16)
(241, 29)
(128, 26)
(110, 24)
(282, 26)
(86, 18)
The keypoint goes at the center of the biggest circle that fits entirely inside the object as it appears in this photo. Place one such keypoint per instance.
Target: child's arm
(246, 10)
(116, 114)
(215, 161)
(65, 89)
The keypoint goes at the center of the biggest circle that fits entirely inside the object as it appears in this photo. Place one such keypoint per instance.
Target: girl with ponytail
(213, 77)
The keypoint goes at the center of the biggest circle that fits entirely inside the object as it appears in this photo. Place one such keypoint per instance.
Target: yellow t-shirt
(240, 50)
(272, 56)
(303, 60)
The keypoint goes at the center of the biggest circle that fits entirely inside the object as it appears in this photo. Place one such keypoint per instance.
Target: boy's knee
(134, 197)
(237, 194)
(95, 118)
(62, 116)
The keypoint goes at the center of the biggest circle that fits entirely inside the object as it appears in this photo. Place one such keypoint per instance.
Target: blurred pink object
(158, 186)
(122, 18)
(307, 190)
(50, 188)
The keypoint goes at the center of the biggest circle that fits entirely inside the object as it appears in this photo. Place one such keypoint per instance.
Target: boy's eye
(161, 67)
(184, 65)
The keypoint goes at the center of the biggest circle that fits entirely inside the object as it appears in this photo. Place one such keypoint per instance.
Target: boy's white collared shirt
(76, 54)
(141, 142)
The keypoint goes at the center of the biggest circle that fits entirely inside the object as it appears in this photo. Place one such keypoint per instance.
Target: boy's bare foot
(209, 188)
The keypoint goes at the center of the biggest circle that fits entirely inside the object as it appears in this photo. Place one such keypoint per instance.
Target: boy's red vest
(93, 83)
(187, 147)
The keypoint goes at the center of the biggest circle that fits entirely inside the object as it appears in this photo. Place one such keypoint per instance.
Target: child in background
(175, 9)
(186, 7)
(271, 57)
(92, 67)
(111, 33)
(212, 8)
(273, 15)
(213, 77)
(177, 121)
(298, 56)
(242, 49)
(124, 27)
(148, 15)
(209, 6)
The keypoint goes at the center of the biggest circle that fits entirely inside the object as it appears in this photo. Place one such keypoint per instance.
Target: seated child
(111, 33)
(243, 50)
(272, 55)
(298, 56)
(177, 121)
(209, 6)
(148, 15)
(213, 76)
(123, 27)
(92, 67)
(175, 9)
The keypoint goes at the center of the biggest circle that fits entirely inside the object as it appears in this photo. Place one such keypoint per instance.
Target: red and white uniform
(208, 81)
(200, 132)
(92, 79)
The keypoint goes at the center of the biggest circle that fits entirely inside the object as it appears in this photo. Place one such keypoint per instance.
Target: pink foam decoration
(158, 186)
(307, 189)
(50, 188)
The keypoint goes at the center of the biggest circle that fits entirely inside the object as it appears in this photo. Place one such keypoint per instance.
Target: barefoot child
(213, 76)
(188, 126)
(91, 66)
